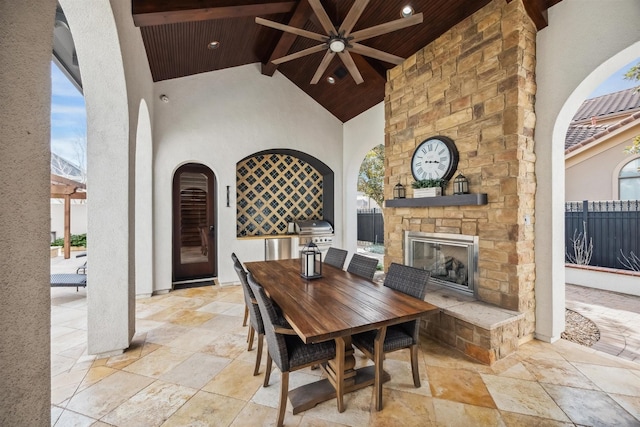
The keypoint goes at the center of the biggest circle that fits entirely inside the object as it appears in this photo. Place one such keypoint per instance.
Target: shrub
(76, 240)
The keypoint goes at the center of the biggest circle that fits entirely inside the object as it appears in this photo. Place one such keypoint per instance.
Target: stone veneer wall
(475, 84)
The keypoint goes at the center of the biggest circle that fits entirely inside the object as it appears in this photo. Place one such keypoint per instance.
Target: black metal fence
(370, 226)
(613, 226)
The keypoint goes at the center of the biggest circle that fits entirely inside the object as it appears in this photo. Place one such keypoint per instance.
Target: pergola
(67, 189)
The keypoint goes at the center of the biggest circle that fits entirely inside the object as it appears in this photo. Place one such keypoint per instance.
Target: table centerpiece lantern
(310, 262)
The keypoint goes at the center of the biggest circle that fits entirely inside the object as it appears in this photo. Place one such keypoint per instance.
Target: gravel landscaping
(579, 329)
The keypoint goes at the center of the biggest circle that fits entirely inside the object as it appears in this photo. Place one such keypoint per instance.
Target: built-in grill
(317, 231)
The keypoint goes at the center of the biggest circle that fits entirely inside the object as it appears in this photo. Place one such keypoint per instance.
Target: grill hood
(312, 227)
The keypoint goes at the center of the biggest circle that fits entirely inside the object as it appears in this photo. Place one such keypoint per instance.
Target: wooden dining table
(335, 306)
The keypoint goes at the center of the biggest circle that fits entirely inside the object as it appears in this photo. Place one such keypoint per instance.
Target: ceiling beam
(299, 18)
(537, 11)
(147, 13)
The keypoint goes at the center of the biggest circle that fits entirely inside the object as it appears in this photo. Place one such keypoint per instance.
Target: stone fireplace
(450, 258)
(476, 85)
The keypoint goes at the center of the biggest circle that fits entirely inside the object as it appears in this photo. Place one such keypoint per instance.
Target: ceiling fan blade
(323, 66)
(352, 17)
(375, 53)
(387, 27)
(300, 54)
(322, 16)
(290, 29)
(347, 60)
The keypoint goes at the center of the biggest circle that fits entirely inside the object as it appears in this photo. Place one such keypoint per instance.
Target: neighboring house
(597, 168)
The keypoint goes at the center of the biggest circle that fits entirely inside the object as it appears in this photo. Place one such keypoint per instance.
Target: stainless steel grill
(317, 231)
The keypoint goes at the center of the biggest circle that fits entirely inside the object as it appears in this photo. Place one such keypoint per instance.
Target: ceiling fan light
(406, 11)
(337, 45)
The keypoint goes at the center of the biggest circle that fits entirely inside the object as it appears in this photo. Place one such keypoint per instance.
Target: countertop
(268, 236)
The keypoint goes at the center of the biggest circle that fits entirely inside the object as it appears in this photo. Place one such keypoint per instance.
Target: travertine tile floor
(188, 366)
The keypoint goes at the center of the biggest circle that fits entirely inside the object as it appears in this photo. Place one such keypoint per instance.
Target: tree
(371, 175)
(634, 74)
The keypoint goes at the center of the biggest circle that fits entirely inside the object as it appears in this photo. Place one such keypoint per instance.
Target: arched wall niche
(328, 179)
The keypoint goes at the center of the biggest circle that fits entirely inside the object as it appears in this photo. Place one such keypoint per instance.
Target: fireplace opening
(450, 258)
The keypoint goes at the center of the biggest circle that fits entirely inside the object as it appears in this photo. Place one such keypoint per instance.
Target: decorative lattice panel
(273, 190)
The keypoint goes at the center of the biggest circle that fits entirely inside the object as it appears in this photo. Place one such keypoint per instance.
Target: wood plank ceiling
(176, 35)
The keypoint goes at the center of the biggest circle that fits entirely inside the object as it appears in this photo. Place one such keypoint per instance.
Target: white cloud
(68, 109)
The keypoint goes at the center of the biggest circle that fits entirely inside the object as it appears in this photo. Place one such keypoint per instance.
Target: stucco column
(110, 190)
(26, 34)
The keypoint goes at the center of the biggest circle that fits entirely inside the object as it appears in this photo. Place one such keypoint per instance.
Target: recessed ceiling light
(331, 80)
(213, 45)
(406, 11)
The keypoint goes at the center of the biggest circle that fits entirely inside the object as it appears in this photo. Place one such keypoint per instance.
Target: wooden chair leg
(267, 371)
(378, 361)
(282, 405)
(246, 315)
(258, 355)
(414, 366)
(250, 339)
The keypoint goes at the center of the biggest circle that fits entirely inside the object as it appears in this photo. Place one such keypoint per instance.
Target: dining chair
(363, 266)
(336, 257)
(374, 344)
(285, 348)
(255, 318)
(246, 307)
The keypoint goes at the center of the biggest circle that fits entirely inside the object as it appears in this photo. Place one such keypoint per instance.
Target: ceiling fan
(341, 41)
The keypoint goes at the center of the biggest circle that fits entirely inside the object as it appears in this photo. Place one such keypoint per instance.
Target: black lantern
(310, 262)
(460, 185)
(399, 192)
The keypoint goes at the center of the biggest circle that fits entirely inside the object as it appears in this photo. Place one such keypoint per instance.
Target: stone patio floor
(188, 365)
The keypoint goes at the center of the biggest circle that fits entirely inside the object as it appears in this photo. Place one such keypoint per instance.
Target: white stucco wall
(217, 119)
(585, 42)
(361, 134)
(78, 218)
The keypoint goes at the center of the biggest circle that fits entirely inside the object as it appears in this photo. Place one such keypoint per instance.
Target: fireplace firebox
(452, 259)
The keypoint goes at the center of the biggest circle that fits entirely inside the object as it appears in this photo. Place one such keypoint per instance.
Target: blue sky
(69, 117)
(616, 82)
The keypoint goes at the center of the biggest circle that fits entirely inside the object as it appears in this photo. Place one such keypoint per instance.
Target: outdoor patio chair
(246, 307)
(336, 257)
(69, 280)
(255, 318)
(374, 344)
(363, 266)
(285, 348)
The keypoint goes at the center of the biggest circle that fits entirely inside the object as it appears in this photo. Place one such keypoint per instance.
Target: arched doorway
(194, 218)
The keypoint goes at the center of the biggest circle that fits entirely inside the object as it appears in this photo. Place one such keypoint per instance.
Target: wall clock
(435, 158)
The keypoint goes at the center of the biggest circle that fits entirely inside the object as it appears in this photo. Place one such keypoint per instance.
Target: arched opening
(370, 194)
(558, 96)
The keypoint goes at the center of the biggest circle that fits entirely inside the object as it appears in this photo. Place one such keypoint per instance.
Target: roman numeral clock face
(435, 158)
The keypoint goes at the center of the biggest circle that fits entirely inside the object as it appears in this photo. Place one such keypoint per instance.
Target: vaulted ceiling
(177, 33)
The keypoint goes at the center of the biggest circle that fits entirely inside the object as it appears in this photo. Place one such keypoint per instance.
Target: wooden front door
(194, 218)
